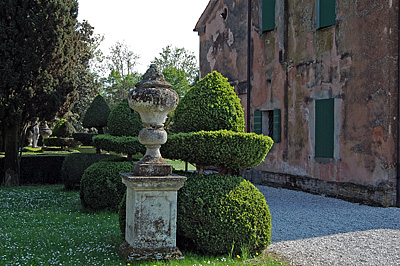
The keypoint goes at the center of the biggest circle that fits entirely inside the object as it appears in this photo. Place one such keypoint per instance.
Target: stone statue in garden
(35, 132)
(45, 131)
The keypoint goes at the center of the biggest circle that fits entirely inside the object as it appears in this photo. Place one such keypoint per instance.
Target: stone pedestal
(151, 211)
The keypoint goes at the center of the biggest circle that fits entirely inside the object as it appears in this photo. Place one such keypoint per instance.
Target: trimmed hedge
(123, 144)
(226, 149)
(97, 114)
(123, 121)
(210, 105)
(219, 214)
(61, 142)
(74, 166)
(84, 138)
(101, 185)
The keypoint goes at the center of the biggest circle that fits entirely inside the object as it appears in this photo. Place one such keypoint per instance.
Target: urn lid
(153, 78)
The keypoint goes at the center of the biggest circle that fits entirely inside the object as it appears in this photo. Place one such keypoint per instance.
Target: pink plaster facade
(354, 62)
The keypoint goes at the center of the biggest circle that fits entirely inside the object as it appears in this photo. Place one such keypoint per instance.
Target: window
(268, 15)
(324, 128)
(326, 13)
(268, 123)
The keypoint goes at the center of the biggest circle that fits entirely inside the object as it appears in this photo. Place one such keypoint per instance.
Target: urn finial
(153, 78)
(153, 99)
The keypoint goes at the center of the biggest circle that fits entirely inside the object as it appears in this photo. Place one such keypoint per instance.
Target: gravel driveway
(315, 230)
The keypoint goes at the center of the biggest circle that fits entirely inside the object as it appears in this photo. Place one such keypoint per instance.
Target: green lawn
(46, 225)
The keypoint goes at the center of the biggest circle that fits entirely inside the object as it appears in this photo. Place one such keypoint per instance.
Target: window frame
(264, 125)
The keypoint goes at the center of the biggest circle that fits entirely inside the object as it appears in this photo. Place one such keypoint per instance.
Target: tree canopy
(42, 49)
(179, 67)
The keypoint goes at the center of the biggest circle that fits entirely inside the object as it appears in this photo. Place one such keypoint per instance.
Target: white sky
(146, 26)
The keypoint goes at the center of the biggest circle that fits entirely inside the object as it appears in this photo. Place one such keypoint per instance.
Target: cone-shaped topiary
(123, 121)
(210, 105)
(97, 114)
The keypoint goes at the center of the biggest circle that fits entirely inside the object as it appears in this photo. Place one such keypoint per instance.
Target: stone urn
(153, 99)
(44, 130)
(151, 197)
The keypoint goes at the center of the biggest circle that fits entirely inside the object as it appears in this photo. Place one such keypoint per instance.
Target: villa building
(321, 77)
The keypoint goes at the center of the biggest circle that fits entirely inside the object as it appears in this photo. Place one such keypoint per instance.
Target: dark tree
(41, 52)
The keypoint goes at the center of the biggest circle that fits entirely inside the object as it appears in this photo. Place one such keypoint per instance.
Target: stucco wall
(354, 62)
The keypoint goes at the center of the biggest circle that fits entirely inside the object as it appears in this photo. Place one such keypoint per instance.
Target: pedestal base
(151, 213)
(151, 169)
(130, 254)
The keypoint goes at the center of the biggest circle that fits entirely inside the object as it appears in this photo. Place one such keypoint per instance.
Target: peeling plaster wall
(354, 62)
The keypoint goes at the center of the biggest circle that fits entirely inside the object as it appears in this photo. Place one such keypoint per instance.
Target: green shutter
(324, 128)
(277, 126)
(258, 122)
(268, 15)
(326, 13)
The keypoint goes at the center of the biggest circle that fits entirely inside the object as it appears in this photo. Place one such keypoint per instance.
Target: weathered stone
(151, 197)
(44, 130)
(153, 100)
(151, 213)
(134, 254)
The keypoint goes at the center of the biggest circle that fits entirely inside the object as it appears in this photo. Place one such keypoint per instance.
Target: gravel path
(314, 230)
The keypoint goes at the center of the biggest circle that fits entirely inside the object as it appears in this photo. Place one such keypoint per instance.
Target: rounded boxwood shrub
(219, 214)
(97, 114)
(74, 166)
(123, 121)
(223, 148)
(101, 185)
(210, 105)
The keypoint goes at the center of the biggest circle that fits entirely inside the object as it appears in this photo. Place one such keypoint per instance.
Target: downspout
(398, 110)
(248, 64)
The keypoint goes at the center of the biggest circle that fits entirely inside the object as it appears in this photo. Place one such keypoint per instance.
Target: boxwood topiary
(122, 144)
(84, 138)
(219, 214)
(101, 186)
(61, 142)
(123, 121)
(210, 105)
(74, 166)
(226, 149)
(97, 114)
(63, 129)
